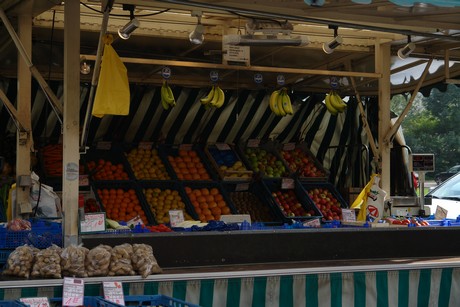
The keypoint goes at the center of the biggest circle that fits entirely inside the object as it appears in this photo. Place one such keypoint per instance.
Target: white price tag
(176, 217)
(135, 221)
(113, 292)
(93, 222)
(223, 146)
(73, 292)
(35, 301)
(348, 215)
(83, 181)
(102, 145)
(289, 146)
(287, 183)
(312, 223)
(253, 143)
(242, 187)
(441, 213)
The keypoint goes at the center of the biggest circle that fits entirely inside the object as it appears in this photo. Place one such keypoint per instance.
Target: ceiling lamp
(197, 36)
(132, 25)
(337, 41)
(272, 33)
(407, 49)
(85, 68)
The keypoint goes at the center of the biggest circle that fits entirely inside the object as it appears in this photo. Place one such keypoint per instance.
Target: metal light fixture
(407, 49)
(197, 36)
(85, 68)
(132, 25)
(337, 41)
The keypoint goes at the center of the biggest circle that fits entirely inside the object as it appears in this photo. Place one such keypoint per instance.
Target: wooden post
(382, 66)
(24, 139)
(71, 121)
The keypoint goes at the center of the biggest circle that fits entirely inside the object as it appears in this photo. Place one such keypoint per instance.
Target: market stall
(282, 261)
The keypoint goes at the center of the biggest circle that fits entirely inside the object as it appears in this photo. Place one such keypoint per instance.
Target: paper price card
(93, 222)
(113, 292)
(348, 215)
(287, 183)
(313, 223)
(135, 221)
(73, 292)
(176, 217)
(35, 301)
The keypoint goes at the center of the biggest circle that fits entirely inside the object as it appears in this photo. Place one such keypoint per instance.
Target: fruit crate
(264, 159)
(227, 163)
(198, 193)
(125, 192)
(298, 206)
(108, 165)
(149, 300)
(325, 197)
(88, 301)
(247, 197)
(11, 239)
(160, 187)
(301, 163)
(188, 162)
(45, 233)
(11, 304)
(146, 162)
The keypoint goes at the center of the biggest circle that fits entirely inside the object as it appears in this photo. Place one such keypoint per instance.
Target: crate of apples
(208, 202)
(187, 163)
(147, 164)
(265, 161)
(301, 161)
(327, 199)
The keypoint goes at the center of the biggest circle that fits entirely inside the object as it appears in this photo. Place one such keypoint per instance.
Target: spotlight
(337, 41)
(407, 49)
(132, 25)
(85, 68)
(197, 36)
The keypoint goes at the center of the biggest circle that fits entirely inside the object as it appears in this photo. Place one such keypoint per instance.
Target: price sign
(104, 145)
(289, 146)
(253, 143)
(94, 222)
(73, 292)
(242, 187)
(185, 147)
(423, 162)
(166, 72)
(135, 221)
(287, 183)
(223, 146)
(83, 180)
(348, 215)
(258, 78)
(214, 75)
(176, 217)
(312, 223)
(334, 82)
(35, 301)
(145, 145)
(441, 213)
(113, 292)
(280, 80)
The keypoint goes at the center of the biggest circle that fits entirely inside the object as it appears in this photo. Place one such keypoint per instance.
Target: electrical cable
(123, 15)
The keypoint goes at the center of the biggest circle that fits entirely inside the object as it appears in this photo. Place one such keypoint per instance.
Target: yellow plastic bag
(112, 94)
(361, 201)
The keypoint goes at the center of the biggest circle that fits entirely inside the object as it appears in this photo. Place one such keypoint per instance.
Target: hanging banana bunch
(334, 103)
(280, 103)
(214, 99)
(167, 96)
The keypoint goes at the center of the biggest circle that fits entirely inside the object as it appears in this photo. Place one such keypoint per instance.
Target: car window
(450, 188)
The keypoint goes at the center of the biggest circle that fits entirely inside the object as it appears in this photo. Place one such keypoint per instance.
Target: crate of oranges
(107, 165)
(146, 162)
(162, 196)
(122, 201)
(209, 200)
(188, 162)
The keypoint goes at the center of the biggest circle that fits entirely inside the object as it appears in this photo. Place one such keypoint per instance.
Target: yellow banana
(215, 98)
(221, 100)
(286, 101)
(166, 94)
(171, 101)
(164, 104)
(273, 102)
(329, 106)
(279, 103)
(337, 102)
(208, 98)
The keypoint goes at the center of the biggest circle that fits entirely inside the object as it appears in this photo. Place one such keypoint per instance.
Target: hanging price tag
(35, 301)
(287, 183)
(222, 146)
(113, 292)
(289, 146)
(73, 292)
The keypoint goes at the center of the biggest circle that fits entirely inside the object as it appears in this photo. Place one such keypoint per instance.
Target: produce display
(280, 102)
(326, 202)
(97, 261)
(51, 155)
(264, 161)
(73, 261)
(228, 164)
(214, 99)
(301, 162)
(167, 96)
(47, 263)
(120, 260)
(121, 204)
(106, 170)
(188, 165)
(144, 261)
(290, 205)
(147, 164)
(161, 201)
(248, 203)
(20, 261)
(334, 103)
(91, 205)
(208, 203)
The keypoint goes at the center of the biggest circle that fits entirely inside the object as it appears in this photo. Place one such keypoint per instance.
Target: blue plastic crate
(12, 239)
(149, 300)
(11, 303)
(45, 233)
(4, 254)
(88, 301)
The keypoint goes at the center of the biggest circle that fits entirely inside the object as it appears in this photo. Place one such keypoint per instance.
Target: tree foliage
(431, 125)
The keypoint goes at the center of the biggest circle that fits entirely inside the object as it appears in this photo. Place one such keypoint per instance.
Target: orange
(188, 190)
(221, 204)
(204, 206)
(201, 199)
(212, 204)
(225, 210)
(216, 211)
(198, 210)
(218, 197)
(204, 191)
(209, 217)
(214, 191)
(209, 198)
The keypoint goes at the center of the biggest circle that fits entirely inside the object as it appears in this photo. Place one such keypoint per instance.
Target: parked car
(440, 177)
(447, 196)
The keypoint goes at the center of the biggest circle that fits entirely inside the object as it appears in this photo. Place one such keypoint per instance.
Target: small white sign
(348, 215)
(93, 222)
(83, 180)
(280, 80)
(312, 223)
(35, 301)
(113, 292)
(135, 221)
(287, 183)
(258, 78)
(214, 75)
(176, 217)
(237, 53)
(72, 171)
(166, 72)
(235, 218)
(441, 213)
(73, 292)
